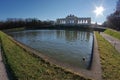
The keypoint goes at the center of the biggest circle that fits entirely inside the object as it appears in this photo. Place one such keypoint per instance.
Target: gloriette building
(73, 20)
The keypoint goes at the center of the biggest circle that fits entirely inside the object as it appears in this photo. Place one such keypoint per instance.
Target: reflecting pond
(66, 46)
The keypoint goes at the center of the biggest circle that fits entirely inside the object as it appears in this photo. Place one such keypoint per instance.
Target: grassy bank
(112, 33)
(110, 59)
(25, 66)
(13, 29)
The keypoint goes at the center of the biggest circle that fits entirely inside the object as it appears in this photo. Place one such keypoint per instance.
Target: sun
(99, 11)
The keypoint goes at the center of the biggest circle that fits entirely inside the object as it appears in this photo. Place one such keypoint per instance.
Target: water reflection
(73, 35)
(63, 45)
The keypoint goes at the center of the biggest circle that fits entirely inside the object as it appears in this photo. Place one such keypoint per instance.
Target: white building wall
(73, 20)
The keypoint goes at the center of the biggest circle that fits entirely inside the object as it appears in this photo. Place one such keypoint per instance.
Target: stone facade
(73, 20)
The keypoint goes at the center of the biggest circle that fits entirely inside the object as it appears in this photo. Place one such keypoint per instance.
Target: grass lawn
(113, 33)
(14, 29)
(26, 66)
(110, 59)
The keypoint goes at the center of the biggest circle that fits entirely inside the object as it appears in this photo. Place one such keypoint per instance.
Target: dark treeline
(33, 23)
(113, 21)
(26, 23)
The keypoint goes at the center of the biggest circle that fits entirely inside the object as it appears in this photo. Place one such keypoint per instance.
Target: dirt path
(115, 42)
(3, 73)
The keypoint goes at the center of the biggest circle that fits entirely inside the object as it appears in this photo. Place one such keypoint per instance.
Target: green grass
(26, 66)
(14, 29)
(113, 33)
(110, 59)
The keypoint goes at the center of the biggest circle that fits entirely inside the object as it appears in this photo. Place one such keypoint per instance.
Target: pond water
(66, 46)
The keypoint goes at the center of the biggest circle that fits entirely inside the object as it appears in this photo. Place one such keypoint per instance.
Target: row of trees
(113, 21)
(17, 23)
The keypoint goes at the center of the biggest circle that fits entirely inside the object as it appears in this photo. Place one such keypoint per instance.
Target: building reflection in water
(73, 35)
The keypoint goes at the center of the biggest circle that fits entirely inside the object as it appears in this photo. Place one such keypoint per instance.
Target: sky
(53, 9)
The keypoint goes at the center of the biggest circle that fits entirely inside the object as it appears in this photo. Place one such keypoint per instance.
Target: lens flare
(99, 11)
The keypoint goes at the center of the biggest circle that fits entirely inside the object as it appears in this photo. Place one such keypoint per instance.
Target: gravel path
(115, 42)
(3, 73)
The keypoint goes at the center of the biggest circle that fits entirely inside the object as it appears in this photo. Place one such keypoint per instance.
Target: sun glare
(99, 11)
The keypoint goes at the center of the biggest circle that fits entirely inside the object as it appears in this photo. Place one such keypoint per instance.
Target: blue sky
(53, 9)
